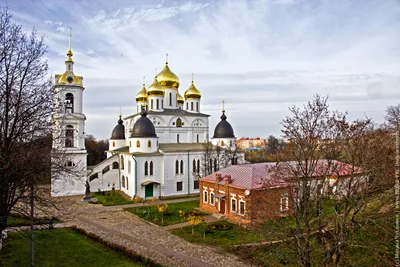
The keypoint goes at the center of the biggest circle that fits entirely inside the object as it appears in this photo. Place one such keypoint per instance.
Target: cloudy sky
(258, 56)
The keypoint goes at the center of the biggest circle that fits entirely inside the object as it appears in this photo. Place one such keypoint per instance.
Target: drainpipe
(134, 196)
(188, 176)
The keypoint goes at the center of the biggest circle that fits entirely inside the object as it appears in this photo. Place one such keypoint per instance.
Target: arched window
(187, 105)
(210, 167)
(158, 105)
(69, 136)
(181, 166)
(198, 166)
(177, 138)
(177, 167)
(197, 106)
(215, 165)
(151, 168)
(115, 165)
(137, 143)
(113, 144)
(178, 122)
(127, 187)
(130, 143)
(162, 103)
(194, 166)
(149, 143)
(69, 103)
(197, 137)
(170, 99)
(146, 168)
(123, 181)
(152, 105)
(222, 143)
(191, 105)
(122, 163)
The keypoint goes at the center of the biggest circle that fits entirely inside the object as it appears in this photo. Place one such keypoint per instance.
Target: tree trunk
(32, 233)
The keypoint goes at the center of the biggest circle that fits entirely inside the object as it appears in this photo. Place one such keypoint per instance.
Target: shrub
(217, 226)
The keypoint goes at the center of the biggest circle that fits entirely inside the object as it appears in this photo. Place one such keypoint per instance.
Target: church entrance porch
(148, 191)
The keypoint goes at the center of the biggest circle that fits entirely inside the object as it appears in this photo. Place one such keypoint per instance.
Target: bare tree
(393, 116)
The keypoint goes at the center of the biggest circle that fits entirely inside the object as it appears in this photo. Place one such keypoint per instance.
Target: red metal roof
(262, 175)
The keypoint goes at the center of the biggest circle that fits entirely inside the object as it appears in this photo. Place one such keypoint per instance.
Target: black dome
(143, 127)
(119, 130)
(223, 128)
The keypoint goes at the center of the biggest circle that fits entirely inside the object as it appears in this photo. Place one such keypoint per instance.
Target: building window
(233, 205)
(181, 166)
(215, 165)
(130, 143)
(127, 186)
(197, 106)
(194, 166)
(69, 136)
(178, 122)
(177, 138)
(170, 99)
(197, 137)
(198, 166)
(205, 197)
(149, 143)
(137, 143)
(162, 103)
(284, 203)
(152, 105)
(196, 184)
(69, 103)
(129, 166)
(113, 144)
(158, 107)
(230, 143)
(191, 106)
(179, 186)
(115, 165)
(146, 170)
(241, 207)
(151, 168)
(123, 181)
(222, 143)
(210, 167)
(177, 167)
(212, 199)
(187, 105)
(122, 163)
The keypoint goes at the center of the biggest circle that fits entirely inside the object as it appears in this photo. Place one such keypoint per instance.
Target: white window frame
(284, 197)
(244, 210)
(236, 202)
(205, 196)
(212, 198)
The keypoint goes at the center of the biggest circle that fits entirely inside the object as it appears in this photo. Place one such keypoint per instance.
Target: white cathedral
(157, 151)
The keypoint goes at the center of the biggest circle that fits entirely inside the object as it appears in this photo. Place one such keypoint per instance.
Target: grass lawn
(60, 247)
(151, 213)
(13, 221)
(111, 198)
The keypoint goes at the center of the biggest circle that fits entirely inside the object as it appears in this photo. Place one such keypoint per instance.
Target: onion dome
(119, 130)
(155, 89)
(223, 128)
(167, 78)
(143, 127)
(180, 99)
(142, 95)
(192, 93)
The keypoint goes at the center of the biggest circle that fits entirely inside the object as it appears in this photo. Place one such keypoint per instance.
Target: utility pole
(32, 233)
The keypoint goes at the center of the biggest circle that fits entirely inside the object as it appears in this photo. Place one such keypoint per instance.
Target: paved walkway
(115, 225)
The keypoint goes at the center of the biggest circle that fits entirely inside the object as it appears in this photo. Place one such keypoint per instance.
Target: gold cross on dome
(223, 107)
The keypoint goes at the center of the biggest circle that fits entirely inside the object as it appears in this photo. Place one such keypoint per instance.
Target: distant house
(250, 193)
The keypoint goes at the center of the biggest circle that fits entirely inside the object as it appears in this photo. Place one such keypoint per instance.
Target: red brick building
(245, 194)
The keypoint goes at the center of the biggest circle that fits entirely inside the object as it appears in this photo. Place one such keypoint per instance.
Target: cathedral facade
(160, 150)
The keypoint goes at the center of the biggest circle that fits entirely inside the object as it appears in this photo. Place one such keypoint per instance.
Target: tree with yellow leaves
(195, 220)
(162, 209)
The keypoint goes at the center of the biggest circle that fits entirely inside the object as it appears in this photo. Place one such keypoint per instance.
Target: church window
(196, 184)
(191, 106)
(177, 138)
(198, 166)
(70, 164)
(187, 105)
(179, 186)
(197, 138)
(181, 166)
(123, 181)
(194, 166)
(151, 168)
(69, 136)
(170, 99)
(177, 167)
(152, 105)
(115, 165)
(113, 144)
(162, 103)
(137, 143)
(230, 143)
(129, 166)
(197, 106)
(149, 143)
(210, 167)
(69, 103)
(127, 186)
(222, 143)
(130, 143)
(146, 168)
(179, 122)
(215, 165)
(122, 162)
(157, 104)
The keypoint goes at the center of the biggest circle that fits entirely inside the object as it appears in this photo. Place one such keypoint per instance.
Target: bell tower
(69, 151)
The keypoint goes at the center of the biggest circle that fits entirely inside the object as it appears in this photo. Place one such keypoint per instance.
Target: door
(222, 206)
(148, 190)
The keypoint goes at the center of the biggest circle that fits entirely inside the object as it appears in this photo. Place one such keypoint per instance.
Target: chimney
(228, 179)
(218, 177)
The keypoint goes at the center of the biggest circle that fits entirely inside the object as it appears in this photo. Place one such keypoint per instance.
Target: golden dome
(180, 99)
(192, 93)
(167, 78)
(155, 89)
(142, 95)
(69, 77)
